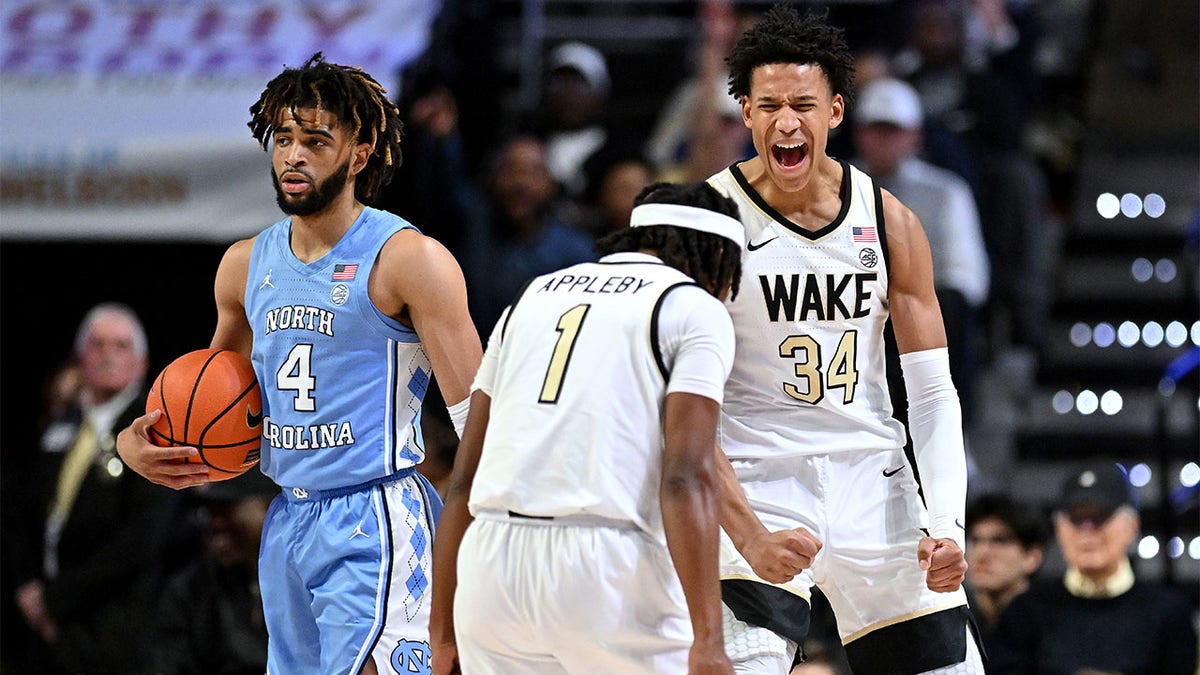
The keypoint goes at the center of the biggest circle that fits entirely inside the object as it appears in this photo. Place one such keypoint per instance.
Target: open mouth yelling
(789, 155)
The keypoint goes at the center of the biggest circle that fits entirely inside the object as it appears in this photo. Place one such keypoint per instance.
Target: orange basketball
(210, 400)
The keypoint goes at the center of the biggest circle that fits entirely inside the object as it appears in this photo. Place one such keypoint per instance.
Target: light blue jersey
(342, 383)
(345, 553)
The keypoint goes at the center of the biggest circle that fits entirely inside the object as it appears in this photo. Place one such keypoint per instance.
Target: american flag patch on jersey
(864, 233)
(343, 272)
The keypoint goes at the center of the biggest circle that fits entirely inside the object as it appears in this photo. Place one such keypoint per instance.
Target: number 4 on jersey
(296, 375)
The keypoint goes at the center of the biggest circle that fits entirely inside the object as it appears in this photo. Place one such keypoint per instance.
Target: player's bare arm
(915, 313)
(774, 556)
(935, 417)
(451, 527)
(233, 329)
(688, 493)
(418, 281)
(161, 465)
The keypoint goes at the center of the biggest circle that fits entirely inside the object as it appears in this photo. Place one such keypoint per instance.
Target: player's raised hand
(778, 556)
(158, 465)
(943, 562)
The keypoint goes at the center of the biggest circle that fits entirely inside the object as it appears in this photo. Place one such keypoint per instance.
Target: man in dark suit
(88, 561)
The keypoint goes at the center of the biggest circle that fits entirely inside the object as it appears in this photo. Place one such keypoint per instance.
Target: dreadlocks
(783, 36)
(710, 259)
(358, 101)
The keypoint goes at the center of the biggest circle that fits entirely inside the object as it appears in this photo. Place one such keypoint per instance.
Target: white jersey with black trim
(577, 370)
(809, 376)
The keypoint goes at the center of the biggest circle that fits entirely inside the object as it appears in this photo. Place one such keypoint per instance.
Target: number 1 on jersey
(568, 329)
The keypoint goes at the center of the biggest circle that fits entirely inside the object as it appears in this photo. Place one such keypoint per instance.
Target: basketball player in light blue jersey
(346, 313)
(807, 422)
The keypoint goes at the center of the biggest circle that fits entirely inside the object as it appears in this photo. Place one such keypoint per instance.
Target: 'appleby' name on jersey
(584, 283)
(313, 436)
(820, 298)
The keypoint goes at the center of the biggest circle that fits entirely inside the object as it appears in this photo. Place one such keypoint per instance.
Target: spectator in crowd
(971, 63)
(210, 618)
(576, 92)
(699, 130)
(615, 176)
(888, 139)
(1005, 543)
(1097, 617)
(525, 229)
(90, 563)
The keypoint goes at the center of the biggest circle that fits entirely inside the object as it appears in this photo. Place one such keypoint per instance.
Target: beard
(321, 195)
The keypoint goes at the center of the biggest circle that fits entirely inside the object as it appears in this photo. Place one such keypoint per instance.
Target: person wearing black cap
(1098, 617)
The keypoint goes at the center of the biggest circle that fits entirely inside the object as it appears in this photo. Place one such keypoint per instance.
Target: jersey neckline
(844, 193)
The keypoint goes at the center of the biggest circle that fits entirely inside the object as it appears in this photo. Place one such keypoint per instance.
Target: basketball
(209, 400)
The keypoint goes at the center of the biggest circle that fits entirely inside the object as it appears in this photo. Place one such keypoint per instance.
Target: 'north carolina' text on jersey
(342, 383)
(809, 376)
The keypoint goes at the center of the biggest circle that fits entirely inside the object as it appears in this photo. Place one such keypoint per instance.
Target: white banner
(127, 119)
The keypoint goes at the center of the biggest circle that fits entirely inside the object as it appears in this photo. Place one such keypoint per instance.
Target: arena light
(1087, 402)
(1165, 270)
(1175, 547)
(1128, 334)
(1189, 475)
(1142, 269)
(1148, 547)
(1062, 402)
(1111, 402)
(1194, 548)
(1175, 334)
(1196, 333)
(1140, 474)
(1081, 334)
(1104, 334)
(1155, 205)
(1152, 334)
(1108, 205)
(1131, 205)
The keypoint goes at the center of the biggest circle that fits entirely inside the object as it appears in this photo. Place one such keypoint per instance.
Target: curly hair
(356, 99)
(710, 259)
(782, 35)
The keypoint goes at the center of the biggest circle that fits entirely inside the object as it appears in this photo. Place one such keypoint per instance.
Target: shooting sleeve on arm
(935, 422)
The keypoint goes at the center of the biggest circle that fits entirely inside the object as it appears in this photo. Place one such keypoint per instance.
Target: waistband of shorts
(574, 519)
(300, 494)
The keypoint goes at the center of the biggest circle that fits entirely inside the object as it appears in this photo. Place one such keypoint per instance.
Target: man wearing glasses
(1098, 616)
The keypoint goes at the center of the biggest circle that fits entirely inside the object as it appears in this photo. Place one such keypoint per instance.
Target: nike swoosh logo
(888, 473)
(253, 419)
(959, 524)
(754, 247)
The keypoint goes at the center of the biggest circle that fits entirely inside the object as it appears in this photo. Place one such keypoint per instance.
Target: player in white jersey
(807, 420)
(588, 460)
(345, 562)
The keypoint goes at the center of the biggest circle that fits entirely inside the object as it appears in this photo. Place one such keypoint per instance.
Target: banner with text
(127, 118)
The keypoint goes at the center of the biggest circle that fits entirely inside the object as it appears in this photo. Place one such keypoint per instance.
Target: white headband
(691, 217)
